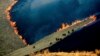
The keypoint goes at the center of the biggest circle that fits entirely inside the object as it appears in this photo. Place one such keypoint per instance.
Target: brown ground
(76, 53)
(9, 41)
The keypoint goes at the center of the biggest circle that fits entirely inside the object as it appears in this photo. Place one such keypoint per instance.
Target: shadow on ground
(87, 39)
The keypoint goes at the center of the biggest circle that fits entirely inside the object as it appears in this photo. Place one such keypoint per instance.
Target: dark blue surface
(87, 39)
(38, 18)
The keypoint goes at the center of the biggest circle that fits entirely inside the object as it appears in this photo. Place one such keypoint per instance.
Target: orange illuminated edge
(65, 26)
(13, 24)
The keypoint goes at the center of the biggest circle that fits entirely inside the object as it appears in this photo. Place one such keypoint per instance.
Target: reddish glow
(20, 37)
(63, 26)
(9, 8)
(24, 41)
(76, 22)
(13, 24)
(15, 30)
(93, 17)
(73, 53)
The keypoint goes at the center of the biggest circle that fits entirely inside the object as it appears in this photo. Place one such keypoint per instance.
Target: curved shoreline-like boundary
(12, 23)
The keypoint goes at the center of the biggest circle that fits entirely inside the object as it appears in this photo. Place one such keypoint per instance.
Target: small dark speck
(64, 34)
(33, 46)
(57, 39)
(50, 43)
(72, 30)
(68, 31)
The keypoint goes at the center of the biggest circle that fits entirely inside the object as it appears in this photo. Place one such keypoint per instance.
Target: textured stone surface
(9, 41)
